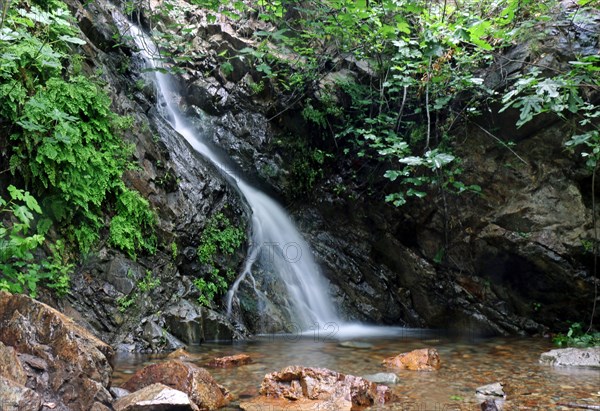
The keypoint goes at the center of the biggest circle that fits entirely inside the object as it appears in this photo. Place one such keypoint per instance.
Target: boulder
(424, 359)
(66, 364)
(156, 397)
(230, 361)
(327, 387)
(572, 357)
(196, 382)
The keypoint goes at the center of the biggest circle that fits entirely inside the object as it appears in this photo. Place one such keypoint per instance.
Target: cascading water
(276, 243)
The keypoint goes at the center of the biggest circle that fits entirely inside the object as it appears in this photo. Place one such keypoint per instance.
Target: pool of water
(467, 363)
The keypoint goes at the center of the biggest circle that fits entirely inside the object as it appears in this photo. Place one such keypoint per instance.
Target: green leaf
(73, 40)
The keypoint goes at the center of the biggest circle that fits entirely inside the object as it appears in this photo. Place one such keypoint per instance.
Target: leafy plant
(131, 229)
(219, 237)
(19, 271)
(60, 135)
(577, 337)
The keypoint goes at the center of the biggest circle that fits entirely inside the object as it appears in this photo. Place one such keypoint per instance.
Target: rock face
(320, 384)
(196, 382)
(183, 188)
(58, 359)
(572, 357)
(504, 262)
(155, 397)
(425, 359)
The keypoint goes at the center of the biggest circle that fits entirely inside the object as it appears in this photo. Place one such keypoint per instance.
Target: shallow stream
(467, 363)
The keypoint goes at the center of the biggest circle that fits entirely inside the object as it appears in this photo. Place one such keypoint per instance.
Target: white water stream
(276, 243)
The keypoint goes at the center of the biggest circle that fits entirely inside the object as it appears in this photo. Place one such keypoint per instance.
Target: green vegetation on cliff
(62, 146)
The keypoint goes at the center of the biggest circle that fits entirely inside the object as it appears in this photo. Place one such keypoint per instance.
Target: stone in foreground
(230, 361)
(156, 397)
(495, 390)
(317, 388)
(196, 382)
(572, 357)
(15, 397)
(424, 359)
(66, 365)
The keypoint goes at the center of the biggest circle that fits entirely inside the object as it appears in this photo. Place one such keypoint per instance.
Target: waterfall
(276, 243)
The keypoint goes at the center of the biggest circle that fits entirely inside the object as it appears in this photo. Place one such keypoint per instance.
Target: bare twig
(595, 249)
(503, 143)
(427, 105)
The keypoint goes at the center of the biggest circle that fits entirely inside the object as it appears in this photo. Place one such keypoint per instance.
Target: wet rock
(495, 389)
(424, 359)
(382, 378)
(78, 370)
(305, 383)
(156, 397)
(572, 357)
(183, 376)
(16, 397)
(230, 361)
(489, 405)
(193, 324)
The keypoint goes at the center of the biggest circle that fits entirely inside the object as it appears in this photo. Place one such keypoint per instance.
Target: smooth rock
(572, 357)
(156, 397)
(382, 378)
(495, 389)
(230, 361)
(424, 359)
(321, 384)
(356, 344)
(196, 382)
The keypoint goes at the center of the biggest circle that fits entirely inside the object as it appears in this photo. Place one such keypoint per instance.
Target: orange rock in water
(425, 359)
(196, 382)
(230, 361)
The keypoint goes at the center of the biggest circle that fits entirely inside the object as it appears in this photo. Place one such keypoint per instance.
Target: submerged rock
(327, 387)
(180, 354)
(382, 378)
(425, 359)
(183, 376)
(64, 363)
(231, 361)
(572, 357)
(356, 344)
(156, 397)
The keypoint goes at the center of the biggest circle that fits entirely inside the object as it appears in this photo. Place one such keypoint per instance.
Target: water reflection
(467, 363)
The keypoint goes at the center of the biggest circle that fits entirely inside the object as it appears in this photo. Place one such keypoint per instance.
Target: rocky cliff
(514, 259)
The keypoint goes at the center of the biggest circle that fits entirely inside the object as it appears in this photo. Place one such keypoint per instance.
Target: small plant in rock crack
(219, 237)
